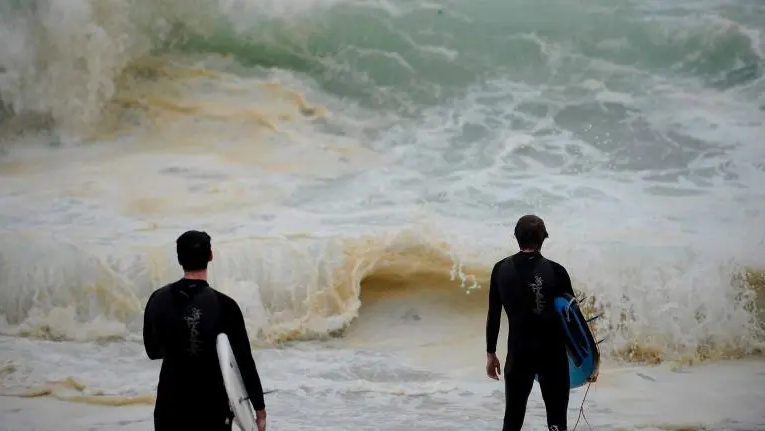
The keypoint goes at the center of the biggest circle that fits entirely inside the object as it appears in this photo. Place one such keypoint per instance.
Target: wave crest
(65, 60)
(306, 287)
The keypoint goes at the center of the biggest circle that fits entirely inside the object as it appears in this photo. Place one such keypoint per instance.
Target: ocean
(360, 166)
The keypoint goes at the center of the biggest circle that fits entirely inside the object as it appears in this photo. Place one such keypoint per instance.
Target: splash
(306, 287)
(216, 111)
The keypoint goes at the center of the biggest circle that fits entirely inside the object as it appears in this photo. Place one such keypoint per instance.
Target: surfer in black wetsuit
(181, 323)
(525, 284)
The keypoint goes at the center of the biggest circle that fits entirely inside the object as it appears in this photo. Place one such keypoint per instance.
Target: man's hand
(260, 419)
(492, 366)
(593, 378)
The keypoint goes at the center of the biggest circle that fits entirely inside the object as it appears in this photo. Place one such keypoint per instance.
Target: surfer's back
(181, 323)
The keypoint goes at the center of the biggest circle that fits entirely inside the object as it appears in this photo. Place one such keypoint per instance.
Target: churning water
(360, 165)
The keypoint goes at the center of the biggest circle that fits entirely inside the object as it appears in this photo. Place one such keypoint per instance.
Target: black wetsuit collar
(189, 287)
(192, 282)
(530, 254)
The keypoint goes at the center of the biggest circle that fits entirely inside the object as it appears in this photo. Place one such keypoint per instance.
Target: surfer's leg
(554, 383)
(519, 378)
(209, 425)
(183, 421)
(164, 423)
(227, 425)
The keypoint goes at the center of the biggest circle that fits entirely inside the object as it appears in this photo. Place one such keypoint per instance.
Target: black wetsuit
(181, 323)
(525, 284)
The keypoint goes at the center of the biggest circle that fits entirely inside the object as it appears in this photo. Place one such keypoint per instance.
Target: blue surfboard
(582, 350)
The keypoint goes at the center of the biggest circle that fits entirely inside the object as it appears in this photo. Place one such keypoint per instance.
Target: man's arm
(564, 280)
(150, 341)
(494, 314)
(240, 345)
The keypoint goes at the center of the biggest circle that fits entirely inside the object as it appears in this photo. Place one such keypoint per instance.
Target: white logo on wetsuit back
(539, 299)
(192, 321)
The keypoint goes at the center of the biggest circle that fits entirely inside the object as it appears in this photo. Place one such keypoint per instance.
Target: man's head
(530, 232)
(194, 250)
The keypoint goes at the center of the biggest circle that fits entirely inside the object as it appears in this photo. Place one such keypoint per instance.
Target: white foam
(338, 384)
(303, 206)
(93, 225)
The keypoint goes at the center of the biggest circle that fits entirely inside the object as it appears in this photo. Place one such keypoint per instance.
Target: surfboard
(244, 414)
(583, 353)
(581, 348)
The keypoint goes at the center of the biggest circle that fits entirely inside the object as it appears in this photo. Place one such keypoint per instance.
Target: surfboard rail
(244, 414)
(581, 347)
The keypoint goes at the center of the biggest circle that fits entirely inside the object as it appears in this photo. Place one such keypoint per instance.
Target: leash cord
(581, 409)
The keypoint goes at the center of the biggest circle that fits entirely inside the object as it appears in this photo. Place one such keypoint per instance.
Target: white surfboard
(244, 414)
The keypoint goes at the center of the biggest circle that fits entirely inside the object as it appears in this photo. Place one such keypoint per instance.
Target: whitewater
(360, 165)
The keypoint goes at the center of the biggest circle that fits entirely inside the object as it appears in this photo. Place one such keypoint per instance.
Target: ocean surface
(360, 165)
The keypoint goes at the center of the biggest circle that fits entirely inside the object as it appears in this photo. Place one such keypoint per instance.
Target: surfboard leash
(581, 409)
(587, 391)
